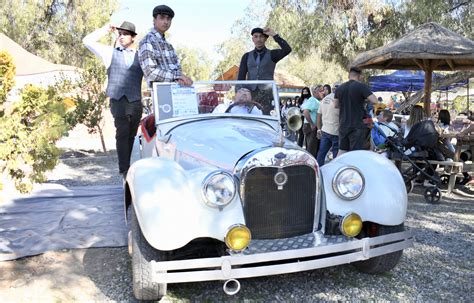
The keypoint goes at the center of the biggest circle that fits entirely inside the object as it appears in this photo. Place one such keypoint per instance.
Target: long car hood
(219, 142)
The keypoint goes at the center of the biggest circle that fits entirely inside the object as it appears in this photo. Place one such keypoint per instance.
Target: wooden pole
(427, 88)
(468, 99)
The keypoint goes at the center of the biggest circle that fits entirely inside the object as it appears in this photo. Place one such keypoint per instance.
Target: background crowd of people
(340, 118)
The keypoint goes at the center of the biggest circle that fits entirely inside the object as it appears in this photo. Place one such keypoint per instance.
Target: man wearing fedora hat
(259, 64)
(124, 85)
(157, 56)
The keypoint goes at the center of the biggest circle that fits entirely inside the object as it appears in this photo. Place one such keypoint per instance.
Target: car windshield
(214, 97)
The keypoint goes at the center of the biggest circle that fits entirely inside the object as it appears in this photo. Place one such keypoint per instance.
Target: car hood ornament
(280, 179)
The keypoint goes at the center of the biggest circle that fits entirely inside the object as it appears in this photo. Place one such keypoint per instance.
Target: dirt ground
(69, 275)
(438, 268)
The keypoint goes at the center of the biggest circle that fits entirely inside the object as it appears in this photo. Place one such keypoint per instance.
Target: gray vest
(123, 80)
(263, 71)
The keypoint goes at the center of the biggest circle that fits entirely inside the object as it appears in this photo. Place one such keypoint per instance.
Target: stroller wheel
(432, 194)
(409, 185)
(444, 179)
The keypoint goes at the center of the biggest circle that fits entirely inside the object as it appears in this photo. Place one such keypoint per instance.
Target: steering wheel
(249, 103)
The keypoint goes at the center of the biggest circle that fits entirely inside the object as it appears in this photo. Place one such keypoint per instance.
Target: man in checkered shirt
(157, 56)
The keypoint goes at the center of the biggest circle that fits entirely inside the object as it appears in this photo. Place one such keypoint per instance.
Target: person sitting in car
(243, 103)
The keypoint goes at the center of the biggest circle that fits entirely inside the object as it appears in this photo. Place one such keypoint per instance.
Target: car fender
(170, 207)
(384, 198)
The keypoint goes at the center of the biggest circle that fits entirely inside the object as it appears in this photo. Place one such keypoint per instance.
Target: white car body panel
(170, 207)
(384, 188)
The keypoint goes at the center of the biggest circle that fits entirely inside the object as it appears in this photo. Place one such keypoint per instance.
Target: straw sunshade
(429, 47)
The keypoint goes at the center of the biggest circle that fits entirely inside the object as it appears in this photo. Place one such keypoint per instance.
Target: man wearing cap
(124, 85)
(157, 56)
(259, 64)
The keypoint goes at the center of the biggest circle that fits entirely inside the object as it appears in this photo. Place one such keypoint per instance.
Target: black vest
(262, 71)
(123, 80)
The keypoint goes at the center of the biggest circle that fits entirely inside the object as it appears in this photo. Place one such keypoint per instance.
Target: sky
(197, 23)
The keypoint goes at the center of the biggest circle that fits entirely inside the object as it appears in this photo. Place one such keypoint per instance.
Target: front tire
(142, 254)
(383, 263)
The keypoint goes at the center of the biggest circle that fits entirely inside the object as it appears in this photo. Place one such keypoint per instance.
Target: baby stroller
(417, 148)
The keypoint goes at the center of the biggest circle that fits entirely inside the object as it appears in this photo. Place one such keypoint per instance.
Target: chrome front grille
(272, 212)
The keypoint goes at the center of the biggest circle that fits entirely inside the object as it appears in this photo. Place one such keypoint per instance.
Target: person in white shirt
(328, 127)
(124, 85)
(243, 103)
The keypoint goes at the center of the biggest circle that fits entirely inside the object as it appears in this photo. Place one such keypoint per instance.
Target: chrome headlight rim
(208, 179)
(335, 184)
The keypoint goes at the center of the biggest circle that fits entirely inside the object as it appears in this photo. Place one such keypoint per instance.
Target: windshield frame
(156, 105)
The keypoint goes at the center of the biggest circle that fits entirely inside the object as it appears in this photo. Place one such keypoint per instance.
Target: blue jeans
(327, 141)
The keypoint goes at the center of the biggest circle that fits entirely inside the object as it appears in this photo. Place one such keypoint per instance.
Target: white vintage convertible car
(218, 194)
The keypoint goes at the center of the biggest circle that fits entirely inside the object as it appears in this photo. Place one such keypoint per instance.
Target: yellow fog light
(351, 225)
(238, 237)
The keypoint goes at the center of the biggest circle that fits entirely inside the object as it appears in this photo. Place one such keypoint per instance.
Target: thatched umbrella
(429, 47)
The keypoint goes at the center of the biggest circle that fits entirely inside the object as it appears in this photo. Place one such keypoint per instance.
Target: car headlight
(218, 189)
(348, 183)
(350, 225)
(238, 237)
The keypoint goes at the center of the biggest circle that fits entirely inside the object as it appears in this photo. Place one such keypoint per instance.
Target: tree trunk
(101, 134)
(427, 88)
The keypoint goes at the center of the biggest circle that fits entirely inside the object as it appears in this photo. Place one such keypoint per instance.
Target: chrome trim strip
(215, 116)
(395, 242)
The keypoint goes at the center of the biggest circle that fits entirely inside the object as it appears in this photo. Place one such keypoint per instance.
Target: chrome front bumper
(288, 255)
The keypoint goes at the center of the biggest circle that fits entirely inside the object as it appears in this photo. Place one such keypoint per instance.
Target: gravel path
(438, 268)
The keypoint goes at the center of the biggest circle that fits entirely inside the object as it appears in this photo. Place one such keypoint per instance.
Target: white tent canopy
(31, 69)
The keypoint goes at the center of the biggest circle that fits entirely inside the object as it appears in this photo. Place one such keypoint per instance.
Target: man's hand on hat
(268, 31)
(112, 28)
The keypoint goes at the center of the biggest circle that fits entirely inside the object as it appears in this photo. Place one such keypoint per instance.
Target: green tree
(28, 136)
(90, 100)
(340, 29)
(240, 42)
(7, 73)
(231, 52)
(312, 69)
(195, 63)
(53, 29)
(337, 29)
(255, 15)
(455, 15)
